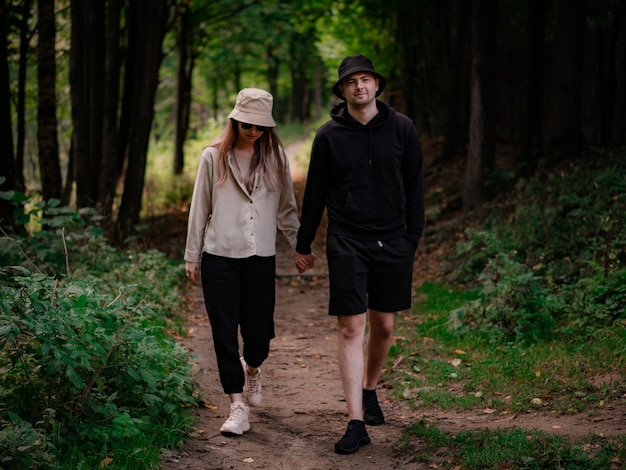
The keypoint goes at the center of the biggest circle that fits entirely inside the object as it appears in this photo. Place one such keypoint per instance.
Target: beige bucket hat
(254, 106)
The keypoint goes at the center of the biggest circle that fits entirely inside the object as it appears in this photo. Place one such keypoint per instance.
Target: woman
(242, 194)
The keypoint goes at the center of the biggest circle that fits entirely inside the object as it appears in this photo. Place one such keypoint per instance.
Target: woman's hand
(303, 262)
(193, 271)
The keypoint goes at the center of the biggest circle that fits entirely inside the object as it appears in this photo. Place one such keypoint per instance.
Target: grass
(511, 449)
(436, 365)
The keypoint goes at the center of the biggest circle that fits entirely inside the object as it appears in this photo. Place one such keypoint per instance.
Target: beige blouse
(228, 220)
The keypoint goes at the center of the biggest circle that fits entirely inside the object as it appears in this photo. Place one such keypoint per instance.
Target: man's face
(360, 88)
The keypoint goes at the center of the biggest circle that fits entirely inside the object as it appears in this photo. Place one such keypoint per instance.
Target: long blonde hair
(268, 158)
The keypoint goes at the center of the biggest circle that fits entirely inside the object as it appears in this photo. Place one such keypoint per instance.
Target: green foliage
(552, 257)
(520, 449)
(467, 369)
(435, 365)
(87, 367)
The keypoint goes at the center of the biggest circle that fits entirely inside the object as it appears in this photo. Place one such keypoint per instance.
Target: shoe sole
(342, 450)
(233, 433)
(374, 422)
(230, 434)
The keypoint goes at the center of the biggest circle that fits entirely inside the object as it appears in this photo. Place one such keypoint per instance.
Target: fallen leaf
(508, 418)
(489, 411)
(459, 351)
(456, 362)
(106, 462)
(248, 460)
(397, 362)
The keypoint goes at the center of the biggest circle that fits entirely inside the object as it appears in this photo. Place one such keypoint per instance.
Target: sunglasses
(247, 127)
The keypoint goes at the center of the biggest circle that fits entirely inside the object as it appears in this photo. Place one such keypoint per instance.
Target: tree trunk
(618, 131)
(145, 64)
(481, 151)
(7, 162)
(455, 125)
(109, 171)
(409, 28)
(564, 125)
(80, 111)
(531, 143)
(183, 90)
(273, 64)
(21, 96)
(50, 168)
(87, 83)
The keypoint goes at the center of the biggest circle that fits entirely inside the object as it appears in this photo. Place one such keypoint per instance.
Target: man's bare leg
(351, 332)
(379, 338)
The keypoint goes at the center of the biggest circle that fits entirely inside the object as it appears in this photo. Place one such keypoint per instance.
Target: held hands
(193, 271)
(303, 262)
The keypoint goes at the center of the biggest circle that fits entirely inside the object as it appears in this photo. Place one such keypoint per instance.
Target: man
(366, 170)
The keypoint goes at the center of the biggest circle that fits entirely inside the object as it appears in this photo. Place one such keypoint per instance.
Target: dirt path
(303, 412)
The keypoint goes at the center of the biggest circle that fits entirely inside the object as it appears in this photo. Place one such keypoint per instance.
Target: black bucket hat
(357, 63)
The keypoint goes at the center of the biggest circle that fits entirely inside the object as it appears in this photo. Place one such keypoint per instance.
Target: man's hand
(303, 262)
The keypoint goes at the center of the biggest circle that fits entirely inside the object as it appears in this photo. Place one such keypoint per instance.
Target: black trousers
(239, 295)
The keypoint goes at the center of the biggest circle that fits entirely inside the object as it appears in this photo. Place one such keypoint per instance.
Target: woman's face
(248, 134)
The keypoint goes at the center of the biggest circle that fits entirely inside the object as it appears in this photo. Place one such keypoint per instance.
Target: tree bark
(145, 63)
(21, 96)
(455, 128)
(481, 151)
(618, 131)
(50, 168)
(7, 162)
(564, 125)
(87, 83)
(110, 170)
(183, 89)
(531, 143)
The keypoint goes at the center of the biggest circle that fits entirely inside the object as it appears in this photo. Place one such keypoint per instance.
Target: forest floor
(303, 411)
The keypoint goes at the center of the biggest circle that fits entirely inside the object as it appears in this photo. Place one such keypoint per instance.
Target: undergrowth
(89, 377)
(533, 321)
(551, 258)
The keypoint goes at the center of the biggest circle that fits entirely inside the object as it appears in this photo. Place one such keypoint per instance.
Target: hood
(339, 113)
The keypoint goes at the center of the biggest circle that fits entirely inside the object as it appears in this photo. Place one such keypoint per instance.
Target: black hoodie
(369, 178)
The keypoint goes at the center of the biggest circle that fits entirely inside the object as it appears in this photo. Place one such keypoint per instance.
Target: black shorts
(369, 274)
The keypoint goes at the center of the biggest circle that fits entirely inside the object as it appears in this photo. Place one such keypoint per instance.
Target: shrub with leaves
(86, 362)
(552, 255)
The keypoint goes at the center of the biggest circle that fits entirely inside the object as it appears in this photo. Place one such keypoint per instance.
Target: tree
(454, 128)
(481, 150)
(186, 62)
(564, 123)
(50, 168)
(87, 82)
(7, 161)
(531, 142)
(112, 161)
(21, 96)
(144, 60)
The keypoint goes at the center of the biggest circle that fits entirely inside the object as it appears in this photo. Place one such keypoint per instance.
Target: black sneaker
(355, 437)
(372, 414)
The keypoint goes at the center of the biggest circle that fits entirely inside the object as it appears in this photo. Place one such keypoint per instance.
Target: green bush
(87, 367)
(551, 257)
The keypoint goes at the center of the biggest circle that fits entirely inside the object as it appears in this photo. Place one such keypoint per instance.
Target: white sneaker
(253, 389)
(237, 423)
